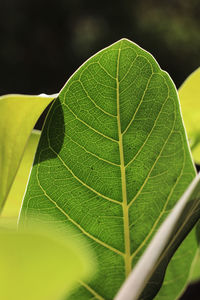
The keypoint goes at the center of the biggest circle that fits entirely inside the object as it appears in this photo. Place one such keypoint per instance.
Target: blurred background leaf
(189, 94)
(38, 265)
(19, 114)
(13, 203)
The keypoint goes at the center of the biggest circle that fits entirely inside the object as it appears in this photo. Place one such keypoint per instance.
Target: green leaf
(189, 94)
(189, 97)
(195, 276)
(149, 271)
(112, 161)
(13, 203)
(178, 271)
(38, 265)
(195, 270)
(19, 114)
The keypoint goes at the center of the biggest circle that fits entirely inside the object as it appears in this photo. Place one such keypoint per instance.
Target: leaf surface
(189, 94)
(195, 270)
(149, 271)
(195, 276)
(37, 265)
(112, 161)
(177, 276)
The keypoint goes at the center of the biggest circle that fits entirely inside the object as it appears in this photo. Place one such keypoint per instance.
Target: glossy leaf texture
(189, 94)
(14, 199)
(112, 161)
(40, 264)
(19, 114)
(149, 272)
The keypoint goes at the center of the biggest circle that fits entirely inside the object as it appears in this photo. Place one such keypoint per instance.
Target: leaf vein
(148, 136)
(91, 290)
(90, 98)
(131, 65)
(162, 212)
(154, 164)
(95, 130)
(93, 154)
(142, 98)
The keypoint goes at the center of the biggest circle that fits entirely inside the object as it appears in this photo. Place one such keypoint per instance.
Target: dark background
(44, 42)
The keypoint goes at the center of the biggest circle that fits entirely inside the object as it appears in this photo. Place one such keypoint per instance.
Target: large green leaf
(37, 264)
(19, 114)
(112, 161)
(148, 273)
(14, 199)
(189, 94)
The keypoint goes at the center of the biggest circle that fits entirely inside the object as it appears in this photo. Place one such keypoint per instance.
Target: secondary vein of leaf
(93, 292)
(123, 181)
(148, 136)
(161, 213)
(87, 94)
(148, 175)
(87, 125)
(93, 154)
(143, 95)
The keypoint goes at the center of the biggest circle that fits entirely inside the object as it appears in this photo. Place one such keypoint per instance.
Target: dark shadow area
(52, 133)
(192, 292)
(41, 119)
(44, 42)
(198, 168)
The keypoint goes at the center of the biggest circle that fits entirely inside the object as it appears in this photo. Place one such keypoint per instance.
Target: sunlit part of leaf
(112, 161)
(19, 114)
(13, 203)
(150, 269)
(189, 94)
(38, 265)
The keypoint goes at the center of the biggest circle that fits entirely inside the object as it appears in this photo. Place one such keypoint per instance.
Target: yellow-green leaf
(189, 94)
(40, 264)
(19, 114)
(14, 200)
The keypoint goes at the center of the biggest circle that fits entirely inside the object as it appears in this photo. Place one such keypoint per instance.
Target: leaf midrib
(127, 256)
